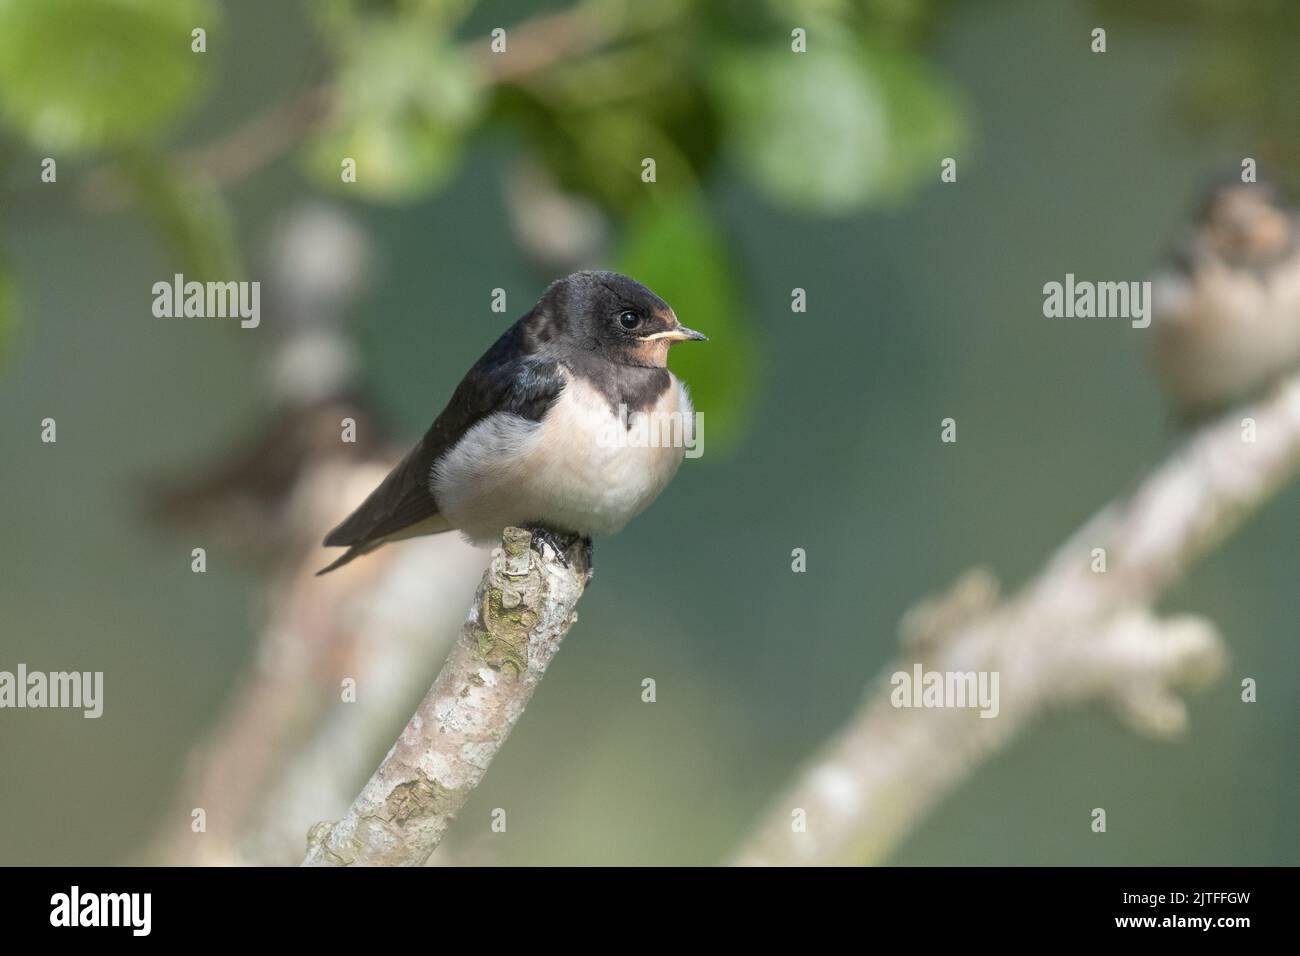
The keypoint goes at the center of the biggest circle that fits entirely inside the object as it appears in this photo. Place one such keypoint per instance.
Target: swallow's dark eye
(629, 320)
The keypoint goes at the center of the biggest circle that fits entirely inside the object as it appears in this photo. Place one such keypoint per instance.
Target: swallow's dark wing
(505, 379)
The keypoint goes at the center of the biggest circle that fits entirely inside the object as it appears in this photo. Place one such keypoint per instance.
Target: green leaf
(836, 128)
(406, 100)
(810, 129)
(677, 251)
(196, 221)
(84, 74)
(926, 123)
(599, 154)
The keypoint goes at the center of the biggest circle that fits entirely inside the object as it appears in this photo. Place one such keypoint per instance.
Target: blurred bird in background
(1226, 322)
(249, 496)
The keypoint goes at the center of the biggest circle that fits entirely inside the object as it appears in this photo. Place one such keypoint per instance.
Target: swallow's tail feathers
(432, 524)
(344, 558)
(401, 507)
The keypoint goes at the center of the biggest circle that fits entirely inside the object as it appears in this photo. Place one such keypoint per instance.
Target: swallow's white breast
(1223, 332)
(568, 472)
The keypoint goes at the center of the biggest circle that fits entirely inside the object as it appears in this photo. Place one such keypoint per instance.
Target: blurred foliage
(77, 75)
(837, 131)
(6, 309)
(339, 17)
(195, 221)
(1241, 71)
(587, 90)
(789, 115)
(704, 297)
(406, 99)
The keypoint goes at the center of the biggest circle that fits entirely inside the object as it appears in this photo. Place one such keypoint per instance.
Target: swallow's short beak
(678, 333)
(683, 334)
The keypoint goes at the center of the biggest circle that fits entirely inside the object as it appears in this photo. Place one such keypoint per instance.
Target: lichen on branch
(524, 606)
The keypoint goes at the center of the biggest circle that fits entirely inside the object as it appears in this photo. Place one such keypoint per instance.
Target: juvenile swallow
(1226, 324)
(525, 439)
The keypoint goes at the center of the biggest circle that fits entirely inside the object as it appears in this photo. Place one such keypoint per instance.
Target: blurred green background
(822, 428)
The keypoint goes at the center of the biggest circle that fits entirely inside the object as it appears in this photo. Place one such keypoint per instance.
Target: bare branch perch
(523, 608)
(1071, 635)
(402, 619)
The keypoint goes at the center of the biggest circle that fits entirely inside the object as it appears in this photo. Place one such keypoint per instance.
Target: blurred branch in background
(293, 743)
(402, 620)
(1072, 635)
(271, 134)
(524, 606)
(228, 159)
(261, 777)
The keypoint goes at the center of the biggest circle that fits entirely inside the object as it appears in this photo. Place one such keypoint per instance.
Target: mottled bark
(523, 608)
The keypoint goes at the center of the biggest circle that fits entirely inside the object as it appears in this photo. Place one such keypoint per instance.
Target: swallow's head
(1247, 223)
(615, 316)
